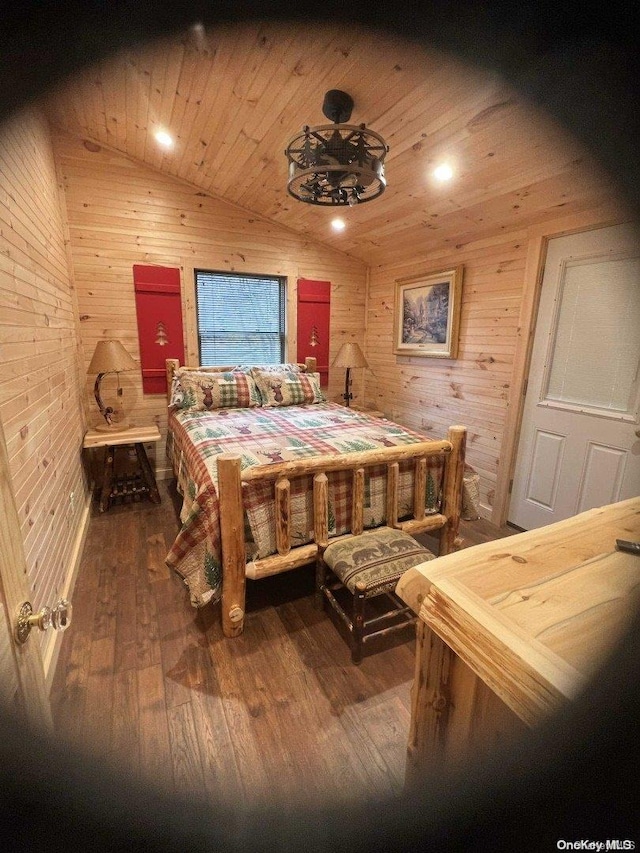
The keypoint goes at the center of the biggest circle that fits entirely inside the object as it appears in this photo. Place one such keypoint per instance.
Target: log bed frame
(235, 569)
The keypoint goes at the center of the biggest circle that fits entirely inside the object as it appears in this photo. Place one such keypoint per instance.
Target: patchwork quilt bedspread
(276, 434)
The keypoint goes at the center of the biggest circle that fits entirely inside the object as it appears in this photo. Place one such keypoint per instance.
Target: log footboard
(230, 485)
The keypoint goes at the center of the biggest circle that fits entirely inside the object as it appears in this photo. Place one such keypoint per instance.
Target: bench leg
(358, 623)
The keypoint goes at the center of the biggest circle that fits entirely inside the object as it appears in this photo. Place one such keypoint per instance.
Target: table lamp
(349, 355)
(110, 357)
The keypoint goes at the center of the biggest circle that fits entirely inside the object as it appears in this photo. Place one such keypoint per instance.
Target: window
(241, 318)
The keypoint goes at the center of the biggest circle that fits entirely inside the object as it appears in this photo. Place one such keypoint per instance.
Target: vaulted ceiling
(233, 97)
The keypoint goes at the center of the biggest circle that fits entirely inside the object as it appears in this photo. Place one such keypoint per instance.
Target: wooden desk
(143, 483)
(511, 630)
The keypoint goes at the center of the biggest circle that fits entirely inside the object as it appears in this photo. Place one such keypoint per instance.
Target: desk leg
(147, 473)
(455, 716)
(430, 703)
(107, 478)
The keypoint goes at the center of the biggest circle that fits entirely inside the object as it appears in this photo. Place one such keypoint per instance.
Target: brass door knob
(57, 617)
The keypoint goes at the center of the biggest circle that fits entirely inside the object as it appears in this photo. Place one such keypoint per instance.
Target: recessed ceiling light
(199, 35)
(443, 172)
(163, 138)
(338, 224)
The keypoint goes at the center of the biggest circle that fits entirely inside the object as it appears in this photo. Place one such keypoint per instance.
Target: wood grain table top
(112, 438)
(535, 614)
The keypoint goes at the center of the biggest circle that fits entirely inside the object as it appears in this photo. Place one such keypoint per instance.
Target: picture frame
(427, 314)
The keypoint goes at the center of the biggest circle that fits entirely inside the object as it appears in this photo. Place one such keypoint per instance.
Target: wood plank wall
(121, 213)
(478, 388)
(430, 393)
(40, 399)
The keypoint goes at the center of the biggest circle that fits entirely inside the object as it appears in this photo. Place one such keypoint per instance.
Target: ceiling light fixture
(443, 172)
(336, 164)
(338, 224)
(163, 138)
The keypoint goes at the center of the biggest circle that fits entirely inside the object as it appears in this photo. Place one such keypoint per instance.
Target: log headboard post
(311, 364)
(171, 365)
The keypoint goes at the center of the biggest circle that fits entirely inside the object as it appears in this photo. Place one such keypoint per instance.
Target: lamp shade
(350, 355)
(111, 357)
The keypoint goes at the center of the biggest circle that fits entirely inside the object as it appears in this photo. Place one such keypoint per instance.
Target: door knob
(57, 617)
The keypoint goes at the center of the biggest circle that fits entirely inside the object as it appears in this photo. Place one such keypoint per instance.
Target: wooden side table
(140, 484)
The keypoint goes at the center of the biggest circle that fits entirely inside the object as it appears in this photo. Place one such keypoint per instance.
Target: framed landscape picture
(427, 314)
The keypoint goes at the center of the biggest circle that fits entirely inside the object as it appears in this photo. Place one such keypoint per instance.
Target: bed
(269, 471)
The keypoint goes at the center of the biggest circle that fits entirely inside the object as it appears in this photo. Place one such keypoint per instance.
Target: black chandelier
(336, 164)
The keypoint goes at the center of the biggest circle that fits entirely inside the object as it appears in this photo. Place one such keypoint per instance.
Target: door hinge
(525, 385)
(510, 486)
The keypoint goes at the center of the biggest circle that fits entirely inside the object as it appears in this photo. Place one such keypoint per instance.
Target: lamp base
(347, 387)
(121, 426)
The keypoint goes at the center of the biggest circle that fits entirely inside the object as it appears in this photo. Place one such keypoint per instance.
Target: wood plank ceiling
(232, 98)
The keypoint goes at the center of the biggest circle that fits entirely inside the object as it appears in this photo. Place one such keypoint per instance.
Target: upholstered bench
(367, 566)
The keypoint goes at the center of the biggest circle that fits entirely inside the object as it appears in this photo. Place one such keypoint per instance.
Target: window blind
(241, 318)
(597, 336)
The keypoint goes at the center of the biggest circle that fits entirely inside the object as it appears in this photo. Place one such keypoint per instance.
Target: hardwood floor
(148, 683)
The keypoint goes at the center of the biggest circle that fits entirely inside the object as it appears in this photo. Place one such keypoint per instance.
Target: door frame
(537, 241)
(14, 590)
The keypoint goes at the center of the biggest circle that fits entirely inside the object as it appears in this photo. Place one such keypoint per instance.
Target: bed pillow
(286, 388)
(201, 391)
(270, 368)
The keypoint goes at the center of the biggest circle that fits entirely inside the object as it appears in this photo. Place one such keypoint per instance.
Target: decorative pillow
(287, 388)
(177, 398)
(201, 391)
(177, 394)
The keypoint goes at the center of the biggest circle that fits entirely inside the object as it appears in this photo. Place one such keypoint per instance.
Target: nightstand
(136, 484)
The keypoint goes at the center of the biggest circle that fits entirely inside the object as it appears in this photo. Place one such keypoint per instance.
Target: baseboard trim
(486, 511)
(51, 650)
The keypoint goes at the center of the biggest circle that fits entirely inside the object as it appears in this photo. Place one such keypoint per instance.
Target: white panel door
(580, 440)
